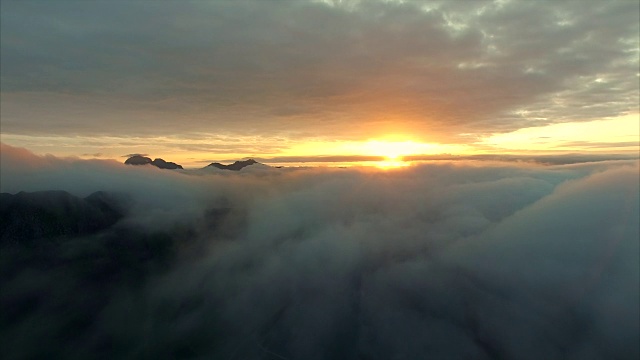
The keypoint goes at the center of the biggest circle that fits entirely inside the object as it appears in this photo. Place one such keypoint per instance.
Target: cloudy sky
(213, 80)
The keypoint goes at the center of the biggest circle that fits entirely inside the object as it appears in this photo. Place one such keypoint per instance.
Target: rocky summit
(236, 166)
(159, 163)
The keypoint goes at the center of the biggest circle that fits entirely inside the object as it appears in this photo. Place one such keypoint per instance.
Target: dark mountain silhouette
(49, 214)
(165, 164)
(66, 260)
(138, 160)
(236, 166)
(62, 259)
(159, 163)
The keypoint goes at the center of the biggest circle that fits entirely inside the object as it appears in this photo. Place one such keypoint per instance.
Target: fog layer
(445, 260)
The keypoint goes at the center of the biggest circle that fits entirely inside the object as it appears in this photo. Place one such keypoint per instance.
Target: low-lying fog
(443, 260)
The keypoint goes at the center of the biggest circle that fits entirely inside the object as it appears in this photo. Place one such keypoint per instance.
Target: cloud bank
(445, 260)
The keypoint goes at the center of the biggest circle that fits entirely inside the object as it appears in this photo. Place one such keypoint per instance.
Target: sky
(195, 82)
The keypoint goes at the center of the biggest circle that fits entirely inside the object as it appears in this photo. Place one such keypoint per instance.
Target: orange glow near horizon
(390, 163)
(395, 151)
(615, 135)
(389, 148)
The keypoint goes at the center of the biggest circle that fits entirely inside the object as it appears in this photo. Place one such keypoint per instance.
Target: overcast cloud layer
(435, 69)
(448, 260)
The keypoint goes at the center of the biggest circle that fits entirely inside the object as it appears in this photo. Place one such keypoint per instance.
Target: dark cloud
(263, 67)
(450, 259)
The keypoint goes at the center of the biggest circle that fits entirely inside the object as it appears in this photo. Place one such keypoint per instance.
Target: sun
(394, 151)
(390, 150)
(390, 163)
(387, 152)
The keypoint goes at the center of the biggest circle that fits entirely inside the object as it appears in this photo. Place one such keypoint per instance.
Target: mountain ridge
(236, 166)
(160, 163)
(157, 162)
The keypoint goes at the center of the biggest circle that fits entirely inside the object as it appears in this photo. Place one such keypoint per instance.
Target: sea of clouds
(442, 260)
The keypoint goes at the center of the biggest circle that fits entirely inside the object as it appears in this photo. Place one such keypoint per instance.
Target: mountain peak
(165, 164)
(138, 160)
(236, 166)
(158, 162)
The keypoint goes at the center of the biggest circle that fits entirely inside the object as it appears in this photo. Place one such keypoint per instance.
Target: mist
(441, 260)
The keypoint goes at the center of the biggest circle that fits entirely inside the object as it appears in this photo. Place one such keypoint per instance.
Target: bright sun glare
(394, 151)
(390, 164)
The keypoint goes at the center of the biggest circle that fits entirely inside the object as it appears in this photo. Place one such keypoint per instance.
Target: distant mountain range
(160, 163)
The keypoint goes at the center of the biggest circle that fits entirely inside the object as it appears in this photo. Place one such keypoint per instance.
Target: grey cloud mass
(297, 68)
(446, 260)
